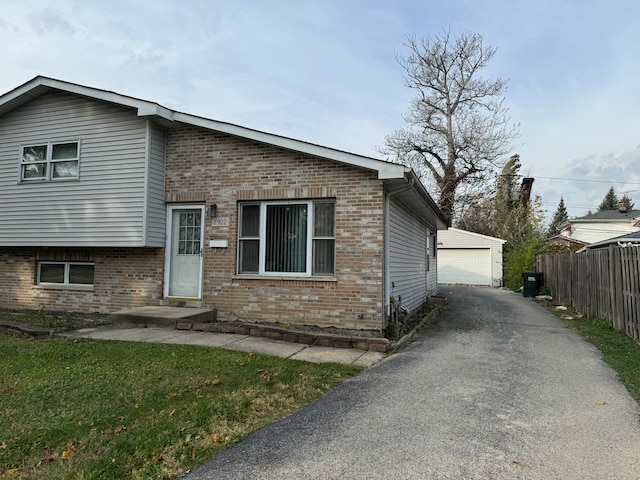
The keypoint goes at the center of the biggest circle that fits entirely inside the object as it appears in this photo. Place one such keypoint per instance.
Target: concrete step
(23, 330)
(161, 315)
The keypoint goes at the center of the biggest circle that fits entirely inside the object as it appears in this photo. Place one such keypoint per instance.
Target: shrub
(518, 260)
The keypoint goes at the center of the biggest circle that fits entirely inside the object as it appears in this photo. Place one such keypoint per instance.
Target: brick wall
(204, 167)
(123, 278)
(223, 169)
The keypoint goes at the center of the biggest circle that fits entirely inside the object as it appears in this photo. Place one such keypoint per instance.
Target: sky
(327, 71)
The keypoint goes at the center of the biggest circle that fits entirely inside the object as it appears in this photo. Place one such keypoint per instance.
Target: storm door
(185, 243)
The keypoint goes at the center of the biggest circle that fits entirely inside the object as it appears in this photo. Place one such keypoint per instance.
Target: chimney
(525, 191)
(622, 207)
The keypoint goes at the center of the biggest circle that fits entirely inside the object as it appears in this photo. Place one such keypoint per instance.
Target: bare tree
(458, 128)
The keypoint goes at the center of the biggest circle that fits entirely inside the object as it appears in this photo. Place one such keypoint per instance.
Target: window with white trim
(294, 238)
(65, 273)
(49, 161)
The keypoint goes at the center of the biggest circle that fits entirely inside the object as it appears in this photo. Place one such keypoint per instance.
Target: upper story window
(49, 161)
(287, 238)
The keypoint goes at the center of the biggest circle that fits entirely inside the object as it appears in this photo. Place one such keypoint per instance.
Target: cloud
(46, 21)
(622, 169)
(584, 182)
(145, 57)
(326, 72)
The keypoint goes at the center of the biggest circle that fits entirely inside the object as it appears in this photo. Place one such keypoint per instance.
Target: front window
(287, 238)
(49, 161)
(65, 273)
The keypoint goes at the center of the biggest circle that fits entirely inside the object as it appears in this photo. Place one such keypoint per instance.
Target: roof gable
(476, 235)
(396, 177)
(41, 85)
(565, 239)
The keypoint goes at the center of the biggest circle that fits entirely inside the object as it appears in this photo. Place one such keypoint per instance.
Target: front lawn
(87, 409)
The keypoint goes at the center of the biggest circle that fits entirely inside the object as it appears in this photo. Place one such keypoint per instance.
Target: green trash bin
(531, 283)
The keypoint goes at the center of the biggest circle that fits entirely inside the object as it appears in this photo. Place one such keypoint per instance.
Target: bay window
(294, 238)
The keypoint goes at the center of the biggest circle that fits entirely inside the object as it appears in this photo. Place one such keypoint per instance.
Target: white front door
(184, 252)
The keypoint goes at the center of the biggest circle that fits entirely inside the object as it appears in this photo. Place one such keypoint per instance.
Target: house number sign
(220, 222)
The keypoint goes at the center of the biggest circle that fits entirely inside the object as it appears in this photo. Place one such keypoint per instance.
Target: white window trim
(66, 284)
(308, 273)
(168, 251)
(49, 161)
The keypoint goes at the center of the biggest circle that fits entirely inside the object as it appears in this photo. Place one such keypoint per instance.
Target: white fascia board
(620, 221)
(478, 235)
(143, 107)
(389, 171)
(17, 92)
(385, 170)
(155, 110)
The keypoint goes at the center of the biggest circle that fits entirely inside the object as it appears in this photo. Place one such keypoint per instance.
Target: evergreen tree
(609, 202)
(518, 220)
(508, 212)
(559, 218)
(625, 198)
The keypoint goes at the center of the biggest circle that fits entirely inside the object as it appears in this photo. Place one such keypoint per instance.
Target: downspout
(387, 236)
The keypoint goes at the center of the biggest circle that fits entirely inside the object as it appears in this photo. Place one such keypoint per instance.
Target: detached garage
(469, 258)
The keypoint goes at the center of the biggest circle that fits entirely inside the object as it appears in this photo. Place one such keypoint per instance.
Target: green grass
(87, 409)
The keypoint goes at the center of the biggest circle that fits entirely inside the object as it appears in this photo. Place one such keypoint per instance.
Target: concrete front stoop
(161, 315)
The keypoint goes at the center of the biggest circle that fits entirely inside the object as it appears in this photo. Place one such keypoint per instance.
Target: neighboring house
(623, 241)
(111, 202)
(563, 244)
(601, 225)
(469, 258)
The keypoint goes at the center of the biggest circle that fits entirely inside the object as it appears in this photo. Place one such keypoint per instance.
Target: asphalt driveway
(499, 389)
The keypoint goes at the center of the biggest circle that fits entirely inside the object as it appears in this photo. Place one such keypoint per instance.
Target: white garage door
(468, 266)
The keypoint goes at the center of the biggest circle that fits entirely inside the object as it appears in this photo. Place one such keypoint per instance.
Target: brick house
(111, 202)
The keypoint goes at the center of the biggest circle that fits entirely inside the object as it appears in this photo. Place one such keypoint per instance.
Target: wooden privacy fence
(603, 283)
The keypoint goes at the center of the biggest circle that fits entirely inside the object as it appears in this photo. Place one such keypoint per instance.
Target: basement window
(74, 274)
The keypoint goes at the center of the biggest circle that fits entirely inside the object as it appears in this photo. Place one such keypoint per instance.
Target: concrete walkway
(245, 343)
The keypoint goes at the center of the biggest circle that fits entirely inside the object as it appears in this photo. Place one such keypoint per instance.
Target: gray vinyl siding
(156, 217)
(408, 244)
(106, 205)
